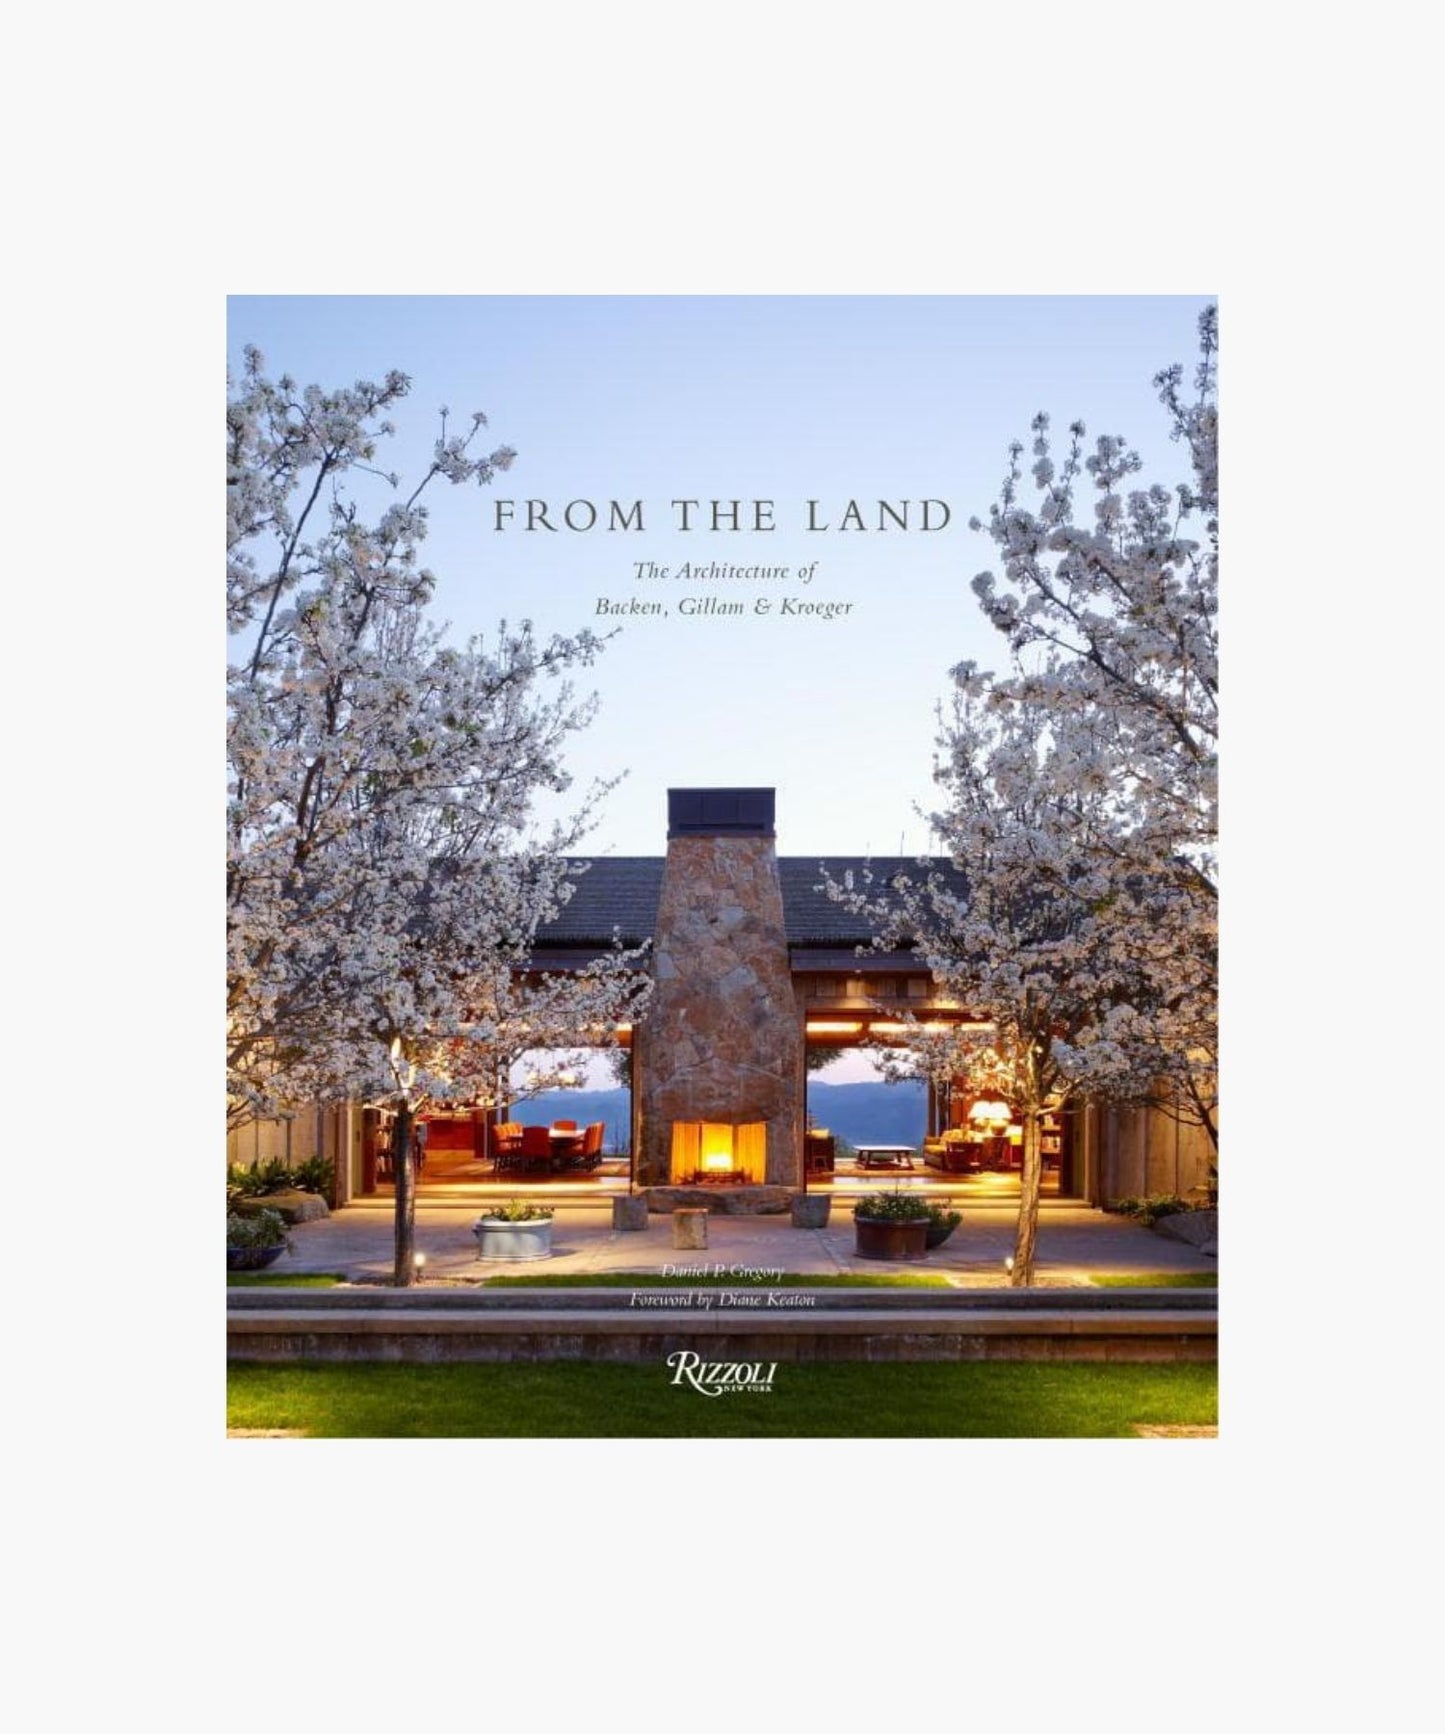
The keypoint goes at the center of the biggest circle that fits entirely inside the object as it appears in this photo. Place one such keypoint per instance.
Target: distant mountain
(612, 1107)
(871, 1113)
(861, 1113)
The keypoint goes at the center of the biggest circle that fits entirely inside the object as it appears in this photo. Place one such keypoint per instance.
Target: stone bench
(629, 1215)
(689, 1229)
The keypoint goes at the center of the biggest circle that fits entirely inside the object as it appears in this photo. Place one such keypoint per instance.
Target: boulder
(1198, 1227)
(291, 1207)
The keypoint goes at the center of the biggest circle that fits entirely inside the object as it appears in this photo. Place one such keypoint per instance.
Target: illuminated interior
(714, 1152)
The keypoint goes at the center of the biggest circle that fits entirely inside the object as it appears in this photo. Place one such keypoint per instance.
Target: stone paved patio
(1075, 1244)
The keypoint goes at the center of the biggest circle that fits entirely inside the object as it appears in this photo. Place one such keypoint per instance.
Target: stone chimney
(722, 1042)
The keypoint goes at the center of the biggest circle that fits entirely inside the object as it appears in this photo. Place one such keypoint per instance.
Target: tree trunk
(401, 1133)
(1026, 1233)
(1206, 1113)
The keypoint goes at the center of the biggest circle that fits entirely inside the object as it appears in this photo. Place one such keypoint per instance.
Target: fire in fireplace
(718, 1153)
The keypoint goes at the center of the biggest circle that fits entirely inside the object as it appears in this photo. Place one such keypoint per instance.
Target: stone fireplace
(718, 1061)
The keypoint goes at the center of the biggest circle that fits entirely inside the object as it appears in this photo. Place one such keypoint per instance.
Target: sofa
(954, 1152)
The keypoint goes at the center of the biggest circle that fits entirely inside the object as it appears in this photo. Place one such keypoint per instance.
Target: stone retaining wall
(795, 1335)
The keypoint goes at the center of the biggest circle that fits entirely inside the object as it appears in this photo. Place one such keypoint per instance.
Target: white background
(758, 148)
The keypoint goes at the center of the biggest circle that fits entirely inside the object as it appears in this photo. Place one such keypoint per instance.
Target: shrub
(939, 1216)
(260, 1178)
(1150, 1210)
(243, 1182)
(264, 1228)
(313, 1175)
(516, 1210)
(891, 1207)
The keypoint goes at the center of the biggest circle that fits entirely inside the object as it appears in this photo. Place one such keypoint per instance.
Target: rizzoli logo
(712, 1378)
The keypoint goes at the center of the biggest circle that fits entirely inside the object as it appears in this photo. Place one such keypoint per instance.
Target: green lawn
(978, 1400)
(269, 1279)
(1162, 1279)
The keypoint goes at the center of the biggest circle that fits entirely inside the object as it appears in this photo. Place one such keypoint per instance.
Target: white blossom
(1080, 794)
(386, 878)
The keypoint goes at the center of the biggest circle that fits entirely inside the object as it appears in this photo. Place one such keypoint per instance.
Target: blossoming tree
(385, 873)
(1114, 623)
(1058, 945)
(1081, 795)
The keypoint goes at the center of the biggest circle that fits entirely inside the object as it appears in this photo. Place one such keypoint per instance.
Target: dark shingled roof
(616, 891)
(621, 892)
(812, 918)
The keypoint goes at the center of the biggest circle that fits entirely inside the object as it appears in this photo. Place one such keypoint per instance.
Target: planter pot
(513, 1240)
(936, 1236)
(810, 1210)
(896, 1240)
(252, 1257)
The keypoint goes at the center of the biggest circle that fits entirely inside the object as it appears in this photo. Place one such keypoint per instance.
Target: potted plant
(514, 1229)
(941, 1223)
(253, 1242)
(890, 1225)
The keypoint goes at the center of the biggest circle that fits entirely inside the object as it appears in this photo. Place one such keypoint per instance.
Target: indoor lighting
(829, 1029)
(990, 1109)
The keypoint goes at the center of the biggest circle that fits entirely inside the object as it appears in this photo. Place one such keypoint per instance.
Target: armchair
(506, 1144)
(535, 1146)
(819, 1152)
(592, 1144)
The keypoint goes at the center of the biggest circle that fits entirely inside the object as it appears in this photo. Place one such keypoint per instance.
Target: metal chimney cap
(721, 812)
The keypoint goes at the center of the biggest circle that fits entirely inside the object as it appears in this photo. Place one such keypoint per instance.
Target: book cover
(721, 876)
